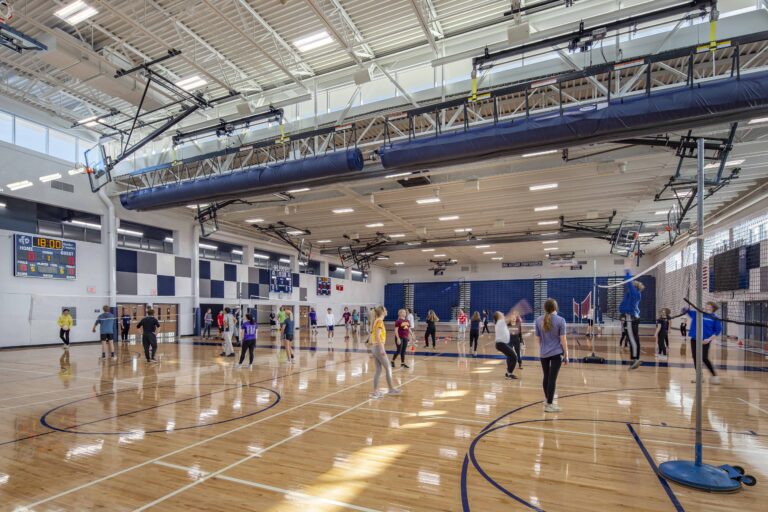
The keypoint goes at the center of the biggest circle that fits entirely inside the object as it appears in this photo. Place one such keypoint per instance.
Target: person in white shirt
(502, 343)
(412, 322)
(230, 324)
(330, 321)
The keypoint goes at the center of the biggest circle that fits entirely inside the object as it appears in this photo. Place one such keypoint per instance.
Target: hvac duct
(244, 183)
(714, 102)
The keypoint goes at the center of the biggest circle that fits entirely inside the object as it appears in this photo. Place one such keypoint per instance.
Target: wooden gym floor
(193, 433)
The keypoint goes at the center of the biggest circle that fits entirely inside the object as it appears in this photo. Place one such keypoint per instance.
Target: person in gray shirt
(550, 333)
(106, 322)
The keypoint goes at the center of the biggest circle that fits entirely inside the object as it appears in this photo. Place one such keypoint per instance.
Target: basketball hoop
(6, 11)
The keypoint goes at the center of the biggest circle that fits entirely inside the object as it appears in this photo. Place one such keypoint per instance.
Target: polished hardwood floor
(194, 433)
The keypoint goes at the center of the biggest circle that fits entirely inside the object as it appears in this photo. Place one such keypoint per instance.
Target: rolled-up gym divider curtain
(242, 183)
(716, 101)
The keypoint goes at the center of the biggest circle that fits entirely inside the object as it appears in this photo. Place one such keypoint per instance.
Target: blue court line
(652, 463)
(572, 360)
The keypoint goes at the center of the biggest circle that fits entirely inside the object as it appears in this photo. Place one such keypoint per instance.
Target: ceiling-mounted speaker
(361, 76)
(519, 33)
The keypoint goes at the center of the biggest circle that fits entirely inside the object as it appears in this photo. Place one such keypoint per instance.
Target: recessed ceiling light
(489, 252)
(295, 232)
(191, 83)
(344, 210)
(18, 185)
(540, 153)
(50, 177)
(196, 206)
(661, 212)
(397, 235)
(439, 255)
(169, 239)
(548, 222)
(551, 248)
(454, 260)
(324, 241)
(549, 233)
(399, 263)
(427, 250)
(129, 232)
(462, 230)
(254, 221)
(482, 246)
(428, 200)
(545, 208)
(729, 163)
(448, 217)
(548, 186)
(313, 41)
(550, 242)
(498, 258)
(260, 256)
(297, 190)
(759, 120)
(412, 243)
(398, 175)
(375, 225)
(208, 246)
(76, 12)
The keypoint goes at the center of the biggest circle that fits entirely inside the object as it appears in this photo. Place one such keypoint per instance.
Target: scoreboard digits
(48, 258)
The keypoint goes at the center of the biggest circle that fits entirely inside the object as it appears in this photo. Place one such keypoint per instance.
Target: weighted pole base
(705, 477)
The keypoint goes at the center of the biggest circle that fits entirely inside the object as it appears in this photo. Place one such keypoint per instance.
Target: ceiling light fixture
(548, 186)
(550, 242)
(549, 233)
(297, 190)
(375, 225)
(548, 222)
(284, 260)
(191, 83)
(439, 255)
(237, 251)
(18, 185)
(498, 258)
(729, 163)
(427, 250)
(462, 230)
(260, 256)
(551, 248)
(313, 41)
(130, 232)
(398, 175)
(50, 177)
(545, 208)
(254, 221)
(398, 263)
(344, 210)
(428, 200)
(2, 205)
(208, 246)
(489, 252)
(76, 12)
(324, 241)
(84, 224)
(196, 206)
(169, 239)
(759, 120)
(661, 212)
(295, 232)
(397, 235)
(541, 153)
(448, 218)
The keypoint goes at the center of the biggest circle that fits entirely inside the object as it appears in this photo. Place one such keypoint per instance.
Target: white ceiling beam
(424, 23)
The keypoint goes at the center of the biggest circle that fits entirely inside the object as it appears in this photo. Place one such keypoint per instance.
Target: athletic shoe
(715, 380)
(552, 408)
(403, 365)
(231, 355)
(475, 353)
(393, 364)
(635, 365)
(510, 376)
(223, 354)
(376, 395)
(250, 367)
(395, 391)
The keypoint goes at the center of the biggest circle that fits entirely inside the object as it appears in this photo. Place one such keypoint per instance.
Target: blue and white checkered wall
(220, 280)
(148, 273)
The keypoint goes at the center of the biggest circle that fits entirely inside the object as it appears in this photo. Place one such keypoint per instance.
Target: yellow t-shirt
(65, 322)
(379, 336)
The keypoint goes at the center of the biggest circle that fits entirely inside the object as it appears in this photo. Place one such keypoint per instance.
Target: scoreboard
(281, 281)
(48, 258)
(323, 286)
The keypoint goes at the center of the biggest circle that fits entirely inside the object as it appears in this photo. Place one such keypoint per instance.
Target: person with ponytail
(380, 359)
(502, 343)
(550, 333)
(630, 312)
(712, 327)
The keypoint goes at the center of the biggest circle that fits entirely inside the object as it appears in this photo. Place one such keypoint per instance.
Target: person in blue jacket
(630, 312)
(711, 329)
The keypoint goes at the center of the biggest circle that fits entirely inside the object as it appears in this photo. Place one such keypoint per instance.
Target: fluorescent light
(550, 242)
(89, 120)
(454, 260)
(462, 230)
(398, 263)
(375, 225)
(313, 41)
(129, 232)
(324, 241)
(18, 185)
(729, 163)
(448, 217)
(759, 120)
(196, 206)
(50, 177)
(254, 221)
(169, 239)
(297, 190)
(302, 264)
(382, 257)
(498, 258)
(237, 251)
(398, 175)
(76, 12)
(295, 232)
(661, 212)
(84, 224)
(489, 252)
(260, 256)
(482, 246)
(2, 205)
(191, 83)
(412, 243)
(548, 222)
(344, 210)
(284, 260)
(534, 188)
(549, 233)
(541, 153)
(208, 246)
(356, 272)
(545, 208)
(397, 235)
(551, 248)
(428, 200)
(439, 255)
(75, 172)
(427, 250)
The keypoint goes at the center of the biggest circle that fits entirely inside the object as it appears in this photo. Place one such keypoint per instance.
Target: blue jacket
(712, 326)
(630, 305)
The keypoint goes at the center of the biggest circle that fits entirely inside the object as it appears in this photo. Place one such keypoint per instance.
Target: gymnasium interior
(306, 255)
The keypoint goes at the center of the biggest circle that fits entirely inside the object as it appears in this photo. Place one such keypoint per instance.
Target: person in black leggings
(515, 325)
(485, 322)
(250, 330)
(403, 334)
(431, 328)
(474, 332)
(662, 333)
(550, 331)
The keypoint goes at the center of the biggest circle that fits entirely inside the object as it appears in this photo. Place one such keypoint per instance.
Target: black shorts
(289, 336)
(107, 337)
(313, 323)
(591, 322)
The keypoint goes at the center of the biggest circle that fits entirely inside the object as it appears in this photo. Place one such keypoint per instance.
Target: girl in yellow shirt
(65, 325)
(378, 338)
